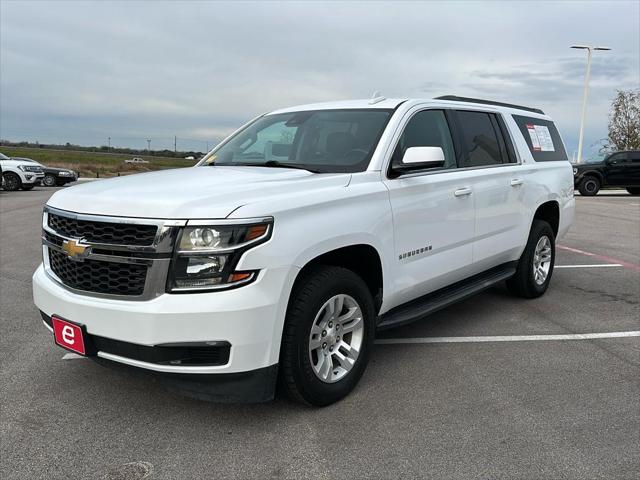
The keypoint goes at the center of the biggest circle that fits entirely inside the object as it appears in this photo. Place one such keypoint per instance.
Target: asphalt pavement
(562, 407)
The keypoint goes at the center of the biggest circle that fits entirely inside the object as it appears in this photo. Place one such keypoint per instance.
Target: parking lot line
(604, 258)
(600, 265)
(508, 338)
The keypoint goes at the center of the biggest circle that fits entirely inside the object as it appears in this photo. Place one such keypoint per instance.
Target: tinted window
(618, 158)
(542, 138)
(428, 128)
(480, 139)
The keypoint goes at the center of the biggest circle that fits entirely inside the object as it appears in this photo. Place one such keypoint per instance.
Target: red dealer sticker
(68, 335)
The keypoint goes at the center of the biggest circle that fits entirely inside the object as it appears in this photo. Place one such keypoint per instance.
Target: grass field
(92, 164)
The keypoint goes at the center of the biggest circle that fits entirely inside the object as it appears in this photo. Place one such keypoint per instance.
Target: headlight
(65, 174)
(206, 255)
(575, 171)
(30, 168)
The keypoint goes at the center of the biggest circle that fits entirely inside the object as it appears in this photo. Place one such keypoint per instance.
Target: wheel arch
(593, 173)
(549, 211)
(361, 258)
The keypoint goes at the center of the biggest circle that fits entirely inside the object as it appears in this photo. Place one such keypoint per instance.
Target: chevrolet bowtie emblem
(74, 249)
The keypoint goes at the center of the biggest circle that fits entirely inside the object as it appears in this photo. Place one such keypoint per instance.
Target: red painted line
(604, 258)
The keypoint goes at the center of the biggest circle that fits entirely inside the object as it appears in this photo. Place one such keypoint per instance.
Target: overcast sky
(81, 71)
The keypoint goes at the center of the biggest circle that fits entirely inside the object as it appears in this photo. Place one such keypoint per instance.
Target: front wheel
(589, 186)
(11, 181)
(634, 190)
(328, 335)
(535, 266)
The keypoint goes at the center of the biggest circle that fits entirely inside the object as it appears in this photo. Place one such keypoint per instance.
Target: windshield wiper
(274, 164)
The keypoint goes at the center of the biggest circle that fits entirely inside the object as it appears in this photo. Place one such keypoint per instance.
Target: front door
(433, 214)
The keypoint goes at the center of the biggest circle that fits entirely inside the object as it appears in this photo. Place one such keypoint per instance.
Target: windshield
(320, 141)
(4, 157)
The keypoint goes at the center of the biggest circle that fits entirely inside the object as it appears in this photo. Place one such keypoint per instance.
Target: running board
(432, 302)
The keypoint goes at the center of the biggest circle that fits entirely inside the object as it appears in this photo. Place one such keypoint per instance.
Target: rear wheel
(11, 181)
(535, 266)
(634, 190)
(589, 186)
(49, 181)
(328, 335)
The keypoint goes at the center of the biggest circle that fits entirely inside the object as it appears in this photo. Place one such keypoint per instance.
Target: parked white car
(284, 250)
(136, 160)
(19, 174)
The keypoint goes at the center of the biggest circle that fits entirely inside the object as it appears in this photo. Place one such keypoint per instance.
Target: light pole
(589, 50)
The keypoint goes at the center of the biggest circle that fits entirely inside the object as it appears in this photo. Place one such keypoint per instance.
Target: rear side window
(542, 138)
(482, 139)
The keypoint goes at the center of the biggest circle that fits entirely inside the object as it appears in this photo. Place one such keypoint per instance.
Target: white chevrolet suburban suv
(289, 245)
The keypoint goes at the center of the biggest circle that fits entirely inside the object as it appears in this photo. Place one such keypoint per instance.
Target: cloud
(82, 71)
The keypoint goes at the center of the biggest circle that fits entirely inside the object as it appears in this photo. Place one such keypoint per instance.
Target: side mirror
(421, 157)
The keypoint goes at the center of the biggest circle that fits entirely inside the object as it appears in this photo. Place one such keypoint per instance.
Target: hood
(14, 162)
(190, 193)
(56, 170)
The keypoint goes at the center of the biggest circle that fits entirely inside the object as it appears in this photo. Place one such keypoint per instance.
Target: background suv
(619, 169)
(19, 174)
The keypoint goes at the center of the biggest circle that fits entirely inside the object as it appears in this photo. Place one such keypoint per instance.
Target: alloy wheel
(542, 260)
(336, 338)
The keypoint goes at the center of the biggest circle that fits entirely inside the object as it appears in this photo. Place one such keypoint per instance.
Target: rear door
(498, 183)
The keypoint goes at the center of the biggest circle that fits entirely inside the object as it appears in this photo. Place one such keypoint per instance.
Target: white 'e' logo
(68, 335)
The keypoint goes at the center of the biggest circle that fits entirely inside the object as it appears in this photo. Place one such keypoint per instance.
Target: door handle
(461, 192)
(516, 181)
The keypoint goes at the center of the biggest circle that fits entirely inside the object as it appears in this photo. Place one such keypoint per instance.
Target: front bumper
(244, 387)
(30, 178)
(250, 319)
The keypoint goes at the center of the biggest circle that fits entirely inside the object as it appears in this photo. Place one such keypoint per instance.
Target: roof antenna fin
(377, 97)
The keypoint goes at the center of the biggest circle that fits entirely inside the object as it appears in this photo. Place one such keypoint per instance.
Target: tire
(314, 294)
(589, 186)
(524, 283)
(49, 181)
(634, 190)
(12, 181)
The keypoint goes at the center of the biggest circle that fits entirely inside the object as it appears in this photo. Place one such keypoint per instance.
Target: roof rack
(455, 98)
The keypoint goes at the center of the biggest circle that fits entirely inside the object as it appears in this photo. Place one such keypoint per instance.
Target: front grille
(98, 276)
(103, 232)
